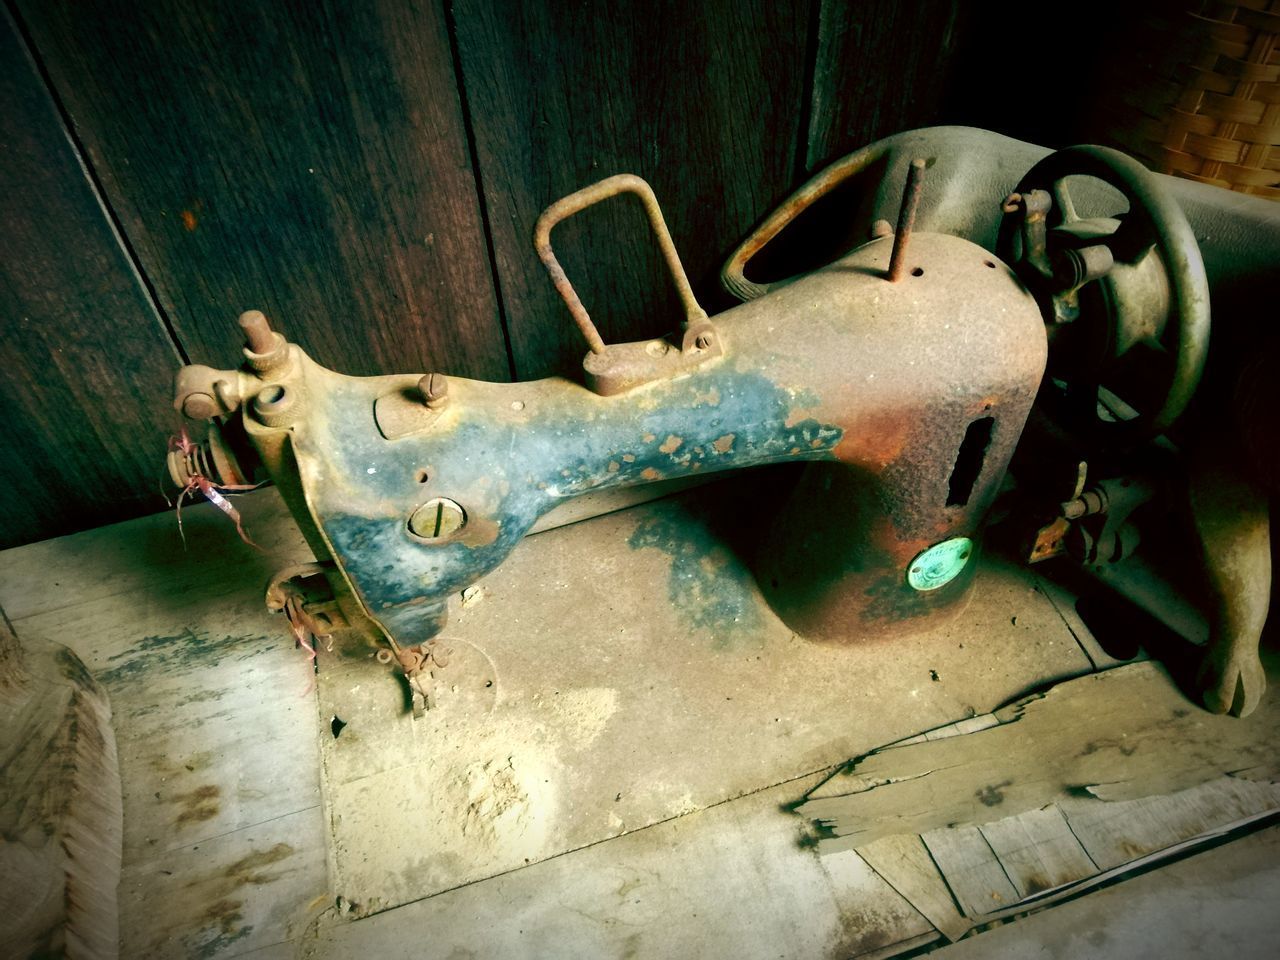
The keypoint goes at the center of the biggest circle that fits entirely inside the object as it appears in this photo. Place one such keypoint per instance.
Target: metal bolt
(410, 659)
(435, 390)
(199, 406)
(258, 336)
(702, 341)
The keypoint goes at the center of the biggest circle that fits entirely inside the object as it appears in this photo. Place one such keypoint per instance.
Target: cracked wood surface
(1116, 735)
(977, 870)
(225, 841)
(618, 673)
(243, 871)
(1217, 903)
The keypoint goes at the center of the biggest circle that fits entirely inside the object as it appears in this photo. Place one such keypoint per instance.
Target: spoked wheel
(1126, 296)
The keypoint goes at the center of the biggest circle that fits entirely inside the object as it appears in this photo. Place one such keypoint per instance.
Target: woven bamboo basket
(1203, 100)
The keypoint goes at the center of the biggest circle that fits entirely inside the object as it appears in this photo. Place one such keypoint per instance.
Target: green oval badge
(940, 564)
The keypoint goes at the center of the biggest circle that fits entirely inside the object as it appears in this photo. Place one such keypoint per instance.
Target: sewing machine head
(903, 372)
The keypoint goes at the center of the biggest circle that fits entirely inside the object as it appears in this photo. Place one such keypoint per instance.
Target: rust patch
(189, 220)
(1133, 850)
(725, 443)
(671, 444)
(862, 931)
(222, 923)
(882, 436)
(614, 466)
(245, 870)
(648, 473)
(1036, 884)
(480, 531)
(649, 438)
(198, 805)
(223, 914)
(628, 458)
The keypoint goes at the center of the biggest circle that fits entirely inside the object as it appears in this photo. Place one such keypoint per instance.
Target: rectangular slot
(969, 461)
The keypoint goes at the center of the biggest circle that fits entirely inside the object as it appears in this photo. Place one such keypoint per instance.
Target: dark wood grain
(85, 364)
(882, 66)
(700, 99)
(307, 159)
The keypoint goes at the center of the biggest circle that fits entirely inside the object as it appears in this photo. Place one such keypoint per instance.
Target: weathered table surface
(616, 680)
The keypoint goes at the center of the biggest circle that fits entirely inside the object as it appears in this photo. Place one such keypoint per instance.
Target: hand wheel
(1108, 286)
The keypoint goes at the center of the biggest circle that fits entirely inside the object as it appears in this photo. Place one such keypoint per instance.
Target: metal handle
(576, 203)
(732, 276)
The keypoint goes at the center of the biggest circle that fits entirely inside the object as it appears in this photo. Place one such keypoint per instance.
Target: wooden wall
(368, 173)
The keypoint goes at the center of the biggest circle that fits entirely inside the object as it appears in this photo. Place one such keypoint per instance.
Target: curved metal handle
(576, 203)
(732, 276)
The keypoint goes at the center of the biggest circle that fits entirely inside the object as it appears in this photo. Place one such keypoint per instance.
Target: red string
(208, 489)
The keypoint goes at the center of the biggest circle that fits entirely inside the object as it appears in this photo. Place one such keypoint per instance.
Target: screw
(257, 331)
(435, 390)
(702, 341)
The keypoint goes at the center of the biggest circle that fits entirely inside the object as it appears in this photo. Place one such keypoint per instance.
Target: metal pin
(257, 331)
(906, 220)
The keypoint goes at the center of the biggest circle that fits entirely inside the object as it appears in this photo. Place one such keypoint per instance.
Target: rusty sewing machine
(906, 373)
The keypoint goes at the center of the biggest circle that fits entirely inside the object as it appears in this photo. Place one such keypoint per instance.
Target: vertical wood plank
(1038, 851)
(87, 363)
(971, 869)
(1118, 832)
(905, 863)
(307, 159)
(880, 67)
(702, 100)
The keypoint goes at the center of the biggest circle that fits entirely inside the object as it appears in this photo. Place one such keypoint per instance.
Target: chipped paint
(837, 366)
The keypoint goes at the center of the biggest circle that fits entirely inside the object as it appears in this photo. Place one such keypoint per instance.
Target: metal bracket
(616, 368)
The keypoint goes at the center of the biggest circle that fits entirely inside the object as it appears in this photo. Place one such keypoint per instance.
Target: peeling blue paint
(506, 472)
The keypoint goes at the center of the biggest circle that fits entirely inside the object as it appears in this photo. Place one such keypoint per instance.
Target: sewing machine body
(884, 380)
(907, 398)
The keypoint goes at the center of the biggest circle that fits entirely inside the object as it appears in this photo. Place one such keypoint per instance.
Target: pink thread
(209, 490)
